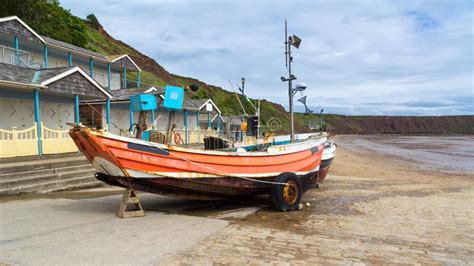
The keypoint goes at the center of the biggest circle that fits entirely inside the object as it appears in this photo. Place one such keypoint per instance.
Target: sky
(356, 57)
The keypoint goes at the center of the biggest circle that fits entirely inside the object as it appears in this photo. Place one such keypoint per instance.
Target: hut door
(66, 115)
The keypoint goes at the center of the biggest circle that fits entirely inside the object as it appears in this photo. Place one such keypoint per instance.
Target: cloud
(353, 53)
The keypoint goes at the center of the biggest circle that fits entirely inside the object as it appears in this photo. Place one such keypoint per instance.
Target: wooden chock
(129, 197)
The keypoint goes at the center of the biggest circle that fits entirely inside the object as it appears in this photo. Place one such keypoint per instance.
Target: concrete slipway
(86, 231)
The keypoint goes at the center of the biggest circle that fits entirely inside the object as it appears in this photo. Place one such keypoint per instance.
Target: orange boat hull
(191, 173)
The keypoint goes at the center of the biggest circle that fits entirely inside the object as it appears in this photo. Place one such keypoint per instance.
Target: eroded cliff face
(339, 124)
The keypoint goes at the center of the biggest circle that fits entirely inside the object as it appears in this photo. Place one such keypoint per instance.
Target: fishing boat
(328, 155)
(283, 171)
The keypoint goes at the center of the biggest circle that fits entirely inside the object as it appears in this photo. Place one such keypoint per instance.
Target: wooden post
(45, 56)
(76, 109)
(130, 197)
(138, 78)
(186, 126)
(91, 67)
(131, 117)
(152, 119)
(169, 129)
(69, 59)
(198, 127)
(17, 51)
(37, 111)
(208, 120)
(124, 78)
(108, 77)
(107, 112)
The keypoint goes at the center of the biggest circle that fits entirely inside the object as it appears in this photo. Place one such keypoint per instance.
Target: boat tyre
(286, 197)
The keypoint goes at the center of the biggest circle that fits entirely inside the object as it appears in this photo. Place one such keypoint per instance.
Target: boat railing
(183, 136)
(196, 136)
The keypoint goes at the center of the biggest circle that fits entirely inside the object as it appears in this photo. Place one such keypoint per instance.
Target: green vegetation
(342, 124)
(47, 18)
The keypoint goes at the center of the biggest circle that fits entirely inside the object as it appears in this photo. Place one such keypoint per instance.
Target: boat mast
(290, 91)
(288, 60)
(258, 119)
(291, 41)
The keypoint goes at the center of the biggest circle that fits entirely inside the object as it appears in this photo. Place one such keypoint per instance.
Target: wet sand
(448, 154)
(375, 207)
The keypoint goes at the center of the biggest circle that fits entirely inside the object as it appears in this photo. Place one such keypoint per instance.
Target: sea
(450, 154)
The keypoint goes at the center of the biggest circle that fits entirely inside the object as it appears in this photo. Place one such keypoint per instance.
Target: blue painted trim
(107, 113)
(91, 67)
(45, 56)
(138, 78)
(108, 77)
(208, 120)
(124, 77)
(281, 142)
(131, 114)
(218, 123)
(69, 59)
(36, 78)
(197, 119)
(17, 51)
(185, 126)
(38, 120)
(76, 109)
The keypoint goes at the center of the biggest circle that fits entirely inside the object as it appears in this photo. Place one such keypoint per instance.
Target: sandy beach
(375, 207)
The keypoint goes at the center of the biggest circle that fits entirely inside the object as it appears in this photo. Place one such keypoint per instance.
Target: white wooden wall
(20, 114)
(56, 115)
(16, 113)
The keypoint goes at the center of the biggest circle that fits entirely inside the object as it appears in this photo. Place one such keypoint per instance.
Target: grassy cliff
(436, 125)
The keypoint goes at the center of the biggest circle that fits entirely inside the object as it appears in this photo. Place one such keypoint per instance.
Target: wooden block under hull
(130, 197)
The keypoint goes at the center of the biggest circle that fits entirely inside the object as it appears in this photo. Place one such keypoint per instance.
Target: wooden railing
(194, 136)
(18, 142)
(56, 141)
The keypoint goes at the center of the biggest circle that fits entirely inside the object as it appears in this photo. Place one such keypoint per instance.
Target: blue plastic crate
(143, 102)
(174, 97)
